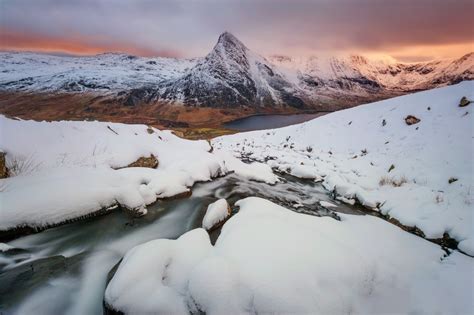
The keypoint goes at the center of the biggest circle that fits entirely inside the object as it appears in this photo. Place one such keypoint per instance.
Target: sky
(406, 30)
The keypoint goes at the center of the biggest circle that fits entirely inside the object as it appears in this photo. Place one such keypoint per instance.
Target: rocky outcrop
(3, 166)
(149, 162)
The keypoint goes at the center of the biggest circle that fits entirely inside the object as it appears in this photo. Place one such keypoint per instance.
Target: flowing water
(259, 122)
(64, 270)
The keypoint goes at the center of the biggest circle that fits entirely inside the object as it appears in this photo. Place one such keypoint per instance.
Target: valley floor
(297, 239)
(189, 122)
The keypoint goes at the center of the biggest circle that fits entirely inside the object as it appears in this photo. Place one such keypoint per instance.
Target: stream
(67, 266)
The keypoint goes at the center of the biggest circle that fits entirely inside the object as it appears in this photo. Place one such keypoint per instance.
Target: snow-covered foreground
(271, 260)
(65, 170)
(420, 174)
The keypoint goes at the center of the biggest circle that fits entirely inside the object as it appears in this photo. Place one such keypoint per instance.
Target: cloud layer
(422, 28)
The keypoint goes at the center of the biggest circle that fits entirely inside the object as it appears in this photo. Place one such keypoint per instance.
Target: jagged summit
(228, 48)
(229, 38)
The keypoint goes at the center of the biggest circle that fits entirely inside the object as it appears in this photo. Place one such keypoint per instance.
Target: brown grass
(395, 182)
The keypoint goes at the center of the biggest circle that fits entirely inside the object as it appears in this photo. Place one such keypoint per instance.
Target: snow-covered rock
(370, 154)
(271, 260)
(327, 204)
(216, 213)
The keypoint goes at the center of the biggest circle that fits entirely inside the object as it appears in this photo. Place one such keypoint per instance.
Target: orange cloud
(75, 44)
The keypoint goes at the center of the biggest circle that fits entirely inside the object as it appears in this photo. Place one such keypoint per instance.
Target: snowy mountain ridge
(386, 73)
(230, 75)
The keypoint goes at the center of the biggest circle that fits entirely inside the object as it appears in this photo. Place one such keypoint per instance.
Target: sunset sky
(404, 29)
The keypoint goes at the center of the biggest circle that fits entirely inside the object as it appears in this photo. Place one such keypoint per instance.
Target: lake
(259, 122)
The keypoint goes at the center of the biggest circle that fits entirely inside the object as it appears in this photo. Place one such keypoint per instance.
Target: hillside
(420, 174)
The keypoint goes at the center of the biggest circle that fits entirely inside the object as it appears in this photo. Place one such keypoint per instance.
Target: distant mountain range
(230, 76)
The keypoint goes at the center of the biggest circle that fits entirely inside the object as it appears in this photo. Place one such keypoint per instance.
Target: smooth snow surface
(216, 212)
(271, 260)
(354, 150)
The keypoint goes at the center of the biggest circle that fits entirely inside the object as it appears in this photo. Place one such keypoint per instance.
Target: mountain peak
(228, 38)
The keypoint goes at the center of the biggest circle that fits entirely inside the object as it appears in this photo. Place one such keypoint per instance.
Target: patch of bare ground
(188, 121)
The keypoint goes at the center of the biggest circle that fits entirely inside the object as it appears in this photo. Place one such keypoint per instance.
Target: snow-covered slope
(270, 260)
(230, 75)
(420, 174)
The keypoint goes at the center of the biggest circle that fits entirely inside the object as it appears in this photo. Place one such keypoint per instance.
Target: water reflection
(260, 122)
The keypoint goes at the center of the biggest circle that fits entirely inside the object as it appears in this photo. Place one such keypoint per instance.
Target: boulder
(411, 120)
(464, 102)
(216, 214)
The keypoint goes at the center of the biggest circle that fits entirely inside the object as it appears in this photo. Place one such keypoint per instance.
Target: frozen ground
(420, 174)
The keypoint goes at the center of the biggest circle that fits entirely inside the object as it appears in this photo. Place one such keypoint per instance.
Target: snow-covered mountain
(357, 74)
(230, 75)
(104, 72)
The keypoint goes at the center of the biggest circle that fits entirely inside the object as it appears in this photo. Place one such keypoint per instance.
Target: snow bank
(49, 197)
(422, 174)
(271, 260)
(65, 170)
(216, 212)
(46, 145)
(69, 169)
